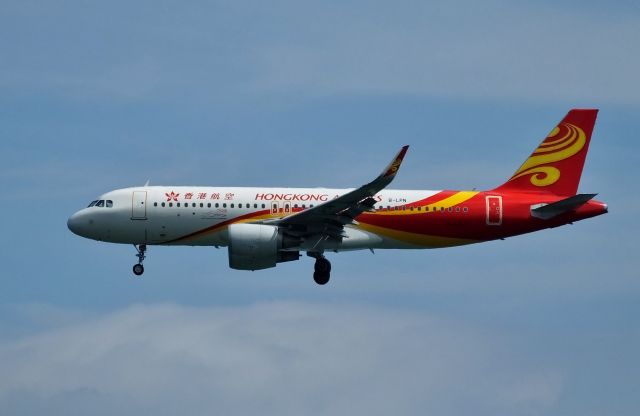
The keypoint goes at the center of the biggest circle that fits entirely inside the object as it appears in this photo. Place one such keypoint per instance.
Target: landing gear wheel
(322, 265)
(321, 278)
(138, 269)
(322, 271)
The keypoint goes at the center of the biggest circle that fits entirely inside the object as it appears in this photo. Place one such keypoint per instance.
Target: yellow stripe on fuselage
(451, 201)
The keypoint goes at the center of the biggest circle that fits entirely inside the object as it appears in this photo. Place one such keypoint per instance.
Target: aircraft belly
(355, 239)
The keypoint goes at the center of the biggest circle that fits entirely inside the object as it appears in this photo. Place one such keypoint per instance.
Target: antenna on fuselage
(147, 183)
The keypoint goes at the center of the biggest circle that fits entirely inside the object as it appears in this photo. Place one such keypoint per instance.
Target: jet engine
(257, 246)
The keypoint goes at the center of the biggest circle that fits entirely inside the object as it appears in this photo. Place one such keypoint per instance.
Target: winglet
(391, 170)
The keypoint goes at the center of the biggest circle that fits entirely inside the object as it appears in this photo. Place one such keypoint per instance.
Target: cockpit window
(109, 203)
(100, 203)
(92, 204)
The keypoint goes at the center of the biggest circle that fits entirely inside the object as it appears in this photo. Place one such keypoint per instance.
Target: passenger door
(139, 205)
(494, 210)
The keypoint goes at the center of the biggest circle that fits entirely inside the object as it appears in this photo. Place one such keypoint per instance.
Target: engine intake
(258, 246)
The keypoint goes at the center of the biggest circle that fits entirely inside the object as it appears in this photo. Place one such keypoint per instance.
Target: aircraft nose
(73, 224)
(77, 224)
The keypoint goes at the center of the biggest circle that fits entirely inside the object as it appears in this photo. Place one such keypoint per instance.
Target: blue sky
(95, 96)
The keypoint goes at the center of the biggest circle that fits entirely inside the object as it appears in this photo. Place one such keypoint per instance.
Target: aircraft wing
(328, 219)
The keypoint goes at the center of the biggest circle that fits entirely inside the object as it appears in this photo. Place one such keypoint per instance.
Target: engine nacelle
(257, 246)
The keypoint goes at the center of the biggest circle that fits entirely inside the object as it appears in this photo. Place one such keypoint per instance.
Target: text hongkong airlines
(262, 227)
(292, 197)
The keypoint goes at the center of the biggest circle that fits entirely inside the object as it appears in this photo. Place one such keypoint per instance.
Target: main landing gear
(138, 269)
(322, 269)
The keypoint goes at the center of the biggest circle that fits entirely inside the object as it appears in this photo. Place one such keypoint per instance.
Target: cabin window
(155, 204)
(441, 209)
(457, 209)
(209, 205)
(224, 205)
(231, 205)
(465, 209)
(162, 204)
(450, 209)
(419, 208)
(170, 204)
(178, 204)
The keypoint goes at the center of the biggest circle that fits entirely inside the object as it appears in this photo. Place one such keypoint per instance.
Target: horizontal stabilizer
(548, 211)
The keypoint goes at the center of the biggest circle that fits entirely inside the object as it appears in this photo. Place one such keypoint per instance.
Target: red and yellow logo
(563, 142)
(393, 168)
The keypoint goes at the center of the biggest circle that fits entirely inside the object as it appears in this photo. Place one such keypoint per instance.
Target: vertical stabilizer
(556, 165)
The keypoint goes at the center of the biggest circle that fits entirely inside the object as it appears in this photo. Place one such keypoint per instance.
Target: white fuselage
(195, 215)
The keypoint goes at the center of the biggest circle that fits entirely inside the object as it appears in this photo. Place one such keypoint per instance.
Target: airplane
(262, 227)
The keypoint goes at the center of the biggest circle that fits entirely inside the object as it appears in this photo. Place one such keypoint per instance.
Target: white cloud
(279, 358)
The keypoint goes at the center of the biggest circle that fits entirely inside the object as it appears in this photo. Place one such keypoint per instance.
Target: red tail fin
(556, 165)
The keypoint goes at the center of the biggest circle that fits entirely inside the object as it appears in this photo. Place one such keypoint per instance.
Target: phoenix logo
(394, 167)
(172, 196)
(563, 142)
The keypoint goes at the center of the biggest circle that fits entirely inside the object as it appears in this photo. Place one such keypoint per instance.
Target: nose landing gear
(322, 269)
(138, 269)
